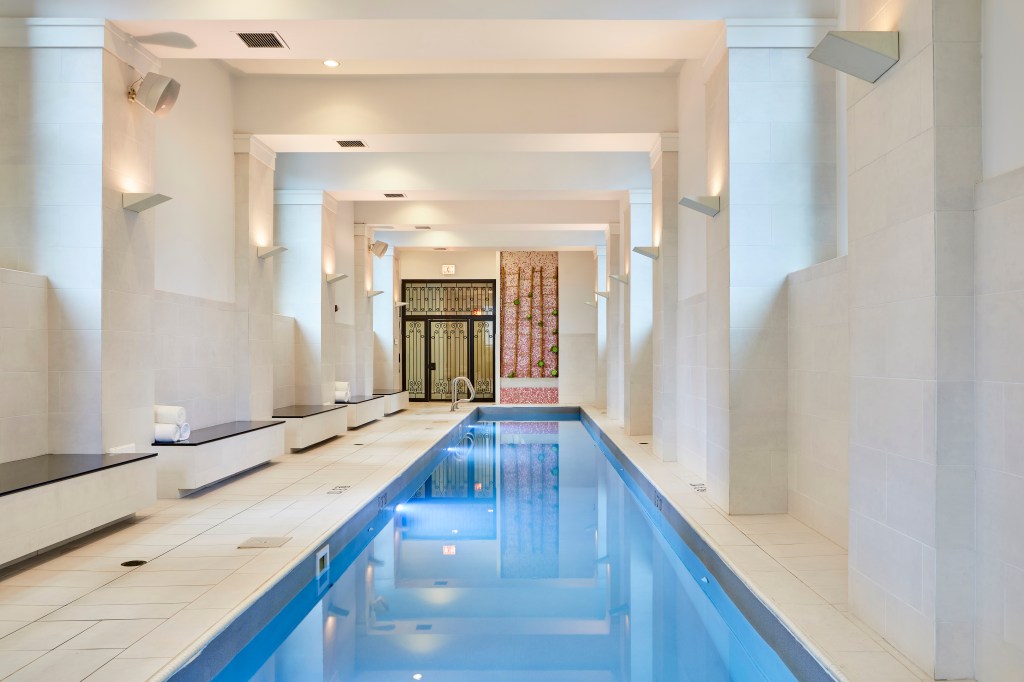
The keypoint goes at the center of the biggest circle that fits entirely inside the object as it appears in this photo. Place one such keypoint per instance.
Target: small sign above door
(448, 269)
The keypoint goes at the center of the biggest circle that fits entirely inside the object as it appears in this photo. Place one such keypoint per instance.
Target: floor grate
(263, 542)
(338, 489)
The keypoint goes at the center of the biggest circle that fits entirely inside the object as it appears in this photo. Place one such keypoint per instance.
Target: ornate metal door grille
(448, 331)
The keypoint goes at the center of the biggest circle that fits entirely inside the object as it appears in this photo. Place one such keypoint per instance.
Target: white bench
(394, 401)
(48, 500)
(215, 453)
(307, 425)
(363, 409)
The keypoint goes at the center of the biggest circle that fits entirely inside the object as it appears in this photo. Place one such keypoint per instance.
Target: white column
(664, 230)
(254, 279)
(601, 284)
(362, 307)
(613, 323)
(639, 319)
(305, 225)
(385, 323)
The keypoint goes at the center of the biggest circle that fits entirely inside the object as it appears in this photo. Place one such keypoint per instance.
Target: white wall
(577, 328)
(819, 397)
(1000, 428)
(194, 357)
(195, 167)
(1002, 103)
(284, 361)
(24, 365)
(427, 264)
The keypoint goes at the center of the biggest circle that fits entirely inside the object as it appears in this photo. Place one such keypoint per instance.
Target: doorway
(448, 330)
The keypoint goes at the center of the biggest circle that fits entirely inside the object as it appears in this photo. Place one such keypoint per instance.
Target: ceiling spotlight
(157, 94)
(378, 249)
(332, 63)
(709, 206)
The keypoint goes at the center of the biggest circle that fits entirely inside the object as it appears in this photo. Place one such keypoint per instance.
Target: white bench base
(181, 470)
(301, 432)
(40, 518)
(395, 402)
(364, 413)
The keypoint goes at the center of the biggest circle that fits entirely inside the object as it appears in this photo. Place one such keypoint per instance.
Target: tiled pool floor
(77, 614)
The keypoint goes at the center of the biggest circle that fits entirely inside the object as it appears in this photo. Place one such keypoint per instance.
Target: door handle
(433, 365)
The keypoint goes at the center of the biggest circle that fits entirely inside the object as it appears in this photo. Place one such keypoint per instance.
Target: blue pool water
(524, 555)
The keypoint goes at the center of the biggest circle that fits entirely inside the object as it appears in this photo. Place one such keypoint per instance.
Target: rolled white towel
(169, 414)
(184, 431)
(341, 386)
(166, 433)
(342, 396)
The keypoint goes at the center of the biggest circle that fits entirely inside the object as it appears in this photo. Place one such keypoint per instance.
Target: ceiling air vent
(393, 195)
(422, 227)
(351, 144)
(261, 39)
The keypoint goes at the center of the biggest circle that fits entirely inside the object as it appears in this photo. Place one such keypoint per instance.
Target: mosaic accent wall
(529, 314)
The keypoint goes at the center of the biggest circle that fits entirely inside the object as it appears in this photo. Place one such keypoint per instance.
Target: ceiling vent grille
(351, 144)
(261, 39)
(393, 195)
(422, 227)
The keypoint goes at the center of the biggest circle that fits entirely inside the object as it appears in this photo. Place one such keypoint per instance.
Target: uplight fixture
(331, 279)
(651, 252)
(864, 54)
(265, 252)
(709, 206)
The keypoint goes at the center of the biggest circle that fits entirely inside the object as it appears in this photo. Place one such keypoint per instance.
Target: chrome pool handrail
(455, 392)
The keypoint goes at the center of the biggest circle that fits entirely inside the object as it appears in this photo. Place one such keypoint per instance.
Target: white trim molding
(793, 33)
(246, 143)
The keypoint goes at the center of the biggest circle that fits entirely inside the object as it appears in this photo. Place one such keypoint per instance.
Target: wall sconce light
(864, 54)
(401, 304)
(138, 202)
(651, 252)
(372, 293)
(378, 249)
(157, 94)
(621, 279)
(265, 252)
(602, 294)
(709, 206)
(592, 304)
(331, 279)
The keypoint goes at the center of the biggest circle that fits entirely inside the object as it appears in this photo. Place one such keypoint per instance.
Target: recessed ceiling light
(332, 63)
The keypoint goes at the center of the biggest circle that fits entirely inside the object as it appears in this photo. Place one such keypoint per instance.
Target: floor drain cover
(338, 489)
(358, 443)
(698, 487)
(134, 562)
(263, 542)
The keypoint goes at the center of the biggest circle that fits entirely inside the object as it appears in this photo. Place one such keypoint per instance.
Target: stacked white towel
(169, 425)
(341, 392)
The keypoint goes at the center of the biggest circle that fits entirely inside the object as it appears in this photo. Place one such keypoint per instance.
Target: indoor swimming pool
(522, 550)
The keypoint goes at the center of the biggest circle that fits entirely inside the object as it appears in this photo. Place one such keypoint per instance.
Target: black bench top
(219, 432)
(376, 392)
(356, 399)
(300, 411)
(24, 474)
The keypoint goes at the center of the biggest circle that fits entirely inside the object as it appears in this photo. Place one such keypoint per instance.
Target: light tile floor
(77, 614)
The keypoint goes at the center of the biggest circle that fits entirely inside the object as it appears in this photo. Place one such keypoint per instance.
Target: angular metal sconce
(372, 293)
(602, 294)
(331, 279)
(864, 54)
(141, 201)
(651, 252)
(623, 279)
(709, 206)
(592, 304)
(265, 252)
(401, 304)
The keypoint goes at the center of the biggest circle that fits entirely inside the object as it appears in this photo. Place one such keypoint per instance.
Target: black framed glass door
(448, 330)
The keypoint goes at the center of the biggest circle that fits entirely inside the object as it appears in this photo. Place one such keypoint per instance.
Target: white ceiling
(462, 143)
